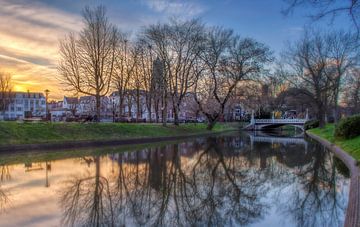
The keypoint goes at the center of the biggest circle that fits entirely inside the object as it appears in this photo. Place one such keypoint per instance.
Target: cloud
(175, 7)
(29, 39)
(30, 33)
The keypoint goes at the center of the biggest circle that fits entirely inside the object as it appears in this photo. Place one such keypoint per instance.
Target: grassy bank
(352, 146)
(30, 133)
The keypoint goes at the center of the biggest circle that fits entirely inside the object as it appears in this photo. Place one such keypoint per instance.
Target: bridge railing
(281, 121)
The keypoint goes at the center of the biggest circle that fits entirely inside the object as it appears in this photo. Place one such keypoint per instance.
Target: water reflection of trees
(206, 182)
(4, 197)
(317, 202)
(86, 200)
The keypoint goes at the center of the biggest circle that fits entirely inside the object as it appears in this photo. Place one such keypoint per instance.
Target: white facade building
(25, 103)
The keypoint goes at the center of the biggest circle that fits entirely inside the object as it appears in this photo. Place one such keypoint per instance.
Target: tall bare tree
(5, 91)
(226, 61)
(146, 74)
(179, 47)
(157, 37)
(343, 56)
(125, 63)
(351, 96)
(87, 60)
(137, 83)
(308, 61)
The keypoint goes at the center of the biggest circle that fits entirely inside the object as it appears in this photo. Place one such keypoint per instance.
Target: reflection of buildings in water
(216, 179)
(31, 166)
(142, 156)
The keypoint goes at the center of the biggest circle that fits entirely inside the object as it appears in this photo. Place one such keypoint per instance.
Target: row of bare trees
(317, 65)
(166, 61)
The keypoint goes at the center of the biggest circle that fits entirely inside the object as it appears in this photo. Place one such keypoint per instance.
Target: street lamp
(46, 102)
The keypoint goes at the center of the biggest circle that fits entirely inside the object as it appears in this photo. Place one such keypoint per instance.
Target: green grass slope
(28, 133)
(352, 146)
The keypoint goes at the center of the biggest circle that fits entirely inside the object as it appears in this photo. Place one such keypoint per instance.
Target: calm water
(227, 180)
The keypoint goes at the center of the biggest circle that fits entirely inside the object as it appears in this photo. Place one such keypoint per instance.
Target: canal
(232, 179)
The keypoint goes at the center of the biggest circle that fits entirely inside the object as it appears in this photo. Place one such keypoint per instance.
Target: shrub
(348, 127)
(311, 124)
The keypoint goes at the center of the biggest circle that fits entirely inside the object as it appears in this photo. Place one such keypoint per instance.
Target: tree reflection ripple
(213, 181)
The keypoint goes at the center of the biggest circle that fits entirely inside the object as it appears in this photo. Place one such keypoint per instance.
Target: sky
(30, 30)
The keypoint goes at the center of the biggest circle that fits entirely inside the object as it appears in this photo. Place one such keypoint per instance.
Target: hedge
(348, 127)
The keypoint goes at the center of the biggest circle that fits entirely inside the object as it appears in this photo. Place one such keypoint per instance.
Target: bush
(348, 127)
(311, 124)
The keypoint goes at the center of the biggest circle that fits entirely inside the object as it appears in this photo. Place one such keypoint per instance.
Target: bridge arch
(278, 125)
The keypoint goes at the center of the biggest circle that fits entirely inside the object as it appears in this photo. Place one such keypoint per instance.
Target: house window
(19, 109)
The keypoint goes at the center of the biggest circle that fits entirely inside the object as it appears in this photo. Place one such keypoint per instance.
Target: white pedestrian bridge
(268, 124)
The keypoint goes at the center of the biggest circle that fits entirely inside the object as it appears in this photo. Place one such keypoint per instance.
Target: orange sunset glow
(29, 37)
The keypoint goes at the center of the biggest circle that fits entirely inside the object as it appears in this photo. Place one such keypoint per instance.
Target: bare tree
(328, 8)
(87, 200)
(343, 56)
(186, 39)
(226, 61)
(137, 82)
(351, 95)
(146, 74)
(87, 60)
(5, 91)
(179, 48)
(124, 67)
(157, 37)
(307, 64)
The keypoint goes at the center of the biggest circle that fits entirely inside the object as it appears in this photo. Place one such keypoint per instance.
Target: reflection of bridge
(282, 140)
(268, 124)
(277, 139)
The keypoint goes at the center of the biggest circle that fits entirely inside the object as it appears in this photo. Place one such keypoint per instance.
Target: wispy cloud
(178, 8)
(30, 33)
(29, 36)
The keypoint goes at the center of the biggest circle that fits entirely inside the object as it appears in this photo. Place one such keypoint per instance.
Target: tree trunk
(98, 107)
(336, 109)
(211, 123)
(149, 113)
(176, 115)
(321, 116)
(164, 110)
(138, 109)
(121, 104)
(156, 107)
(129, 107)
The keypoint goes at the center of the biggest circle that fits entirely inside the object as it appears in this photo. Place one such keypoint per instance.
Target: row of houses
(134, 108)
(24, 104)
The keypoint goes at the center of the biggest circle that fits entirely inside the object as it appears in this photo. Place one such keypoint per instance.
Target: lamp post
(46, 103)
